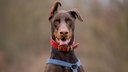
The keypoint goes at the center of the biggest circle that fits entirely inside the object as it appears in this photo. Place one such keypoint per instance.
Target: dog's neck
(64, 56)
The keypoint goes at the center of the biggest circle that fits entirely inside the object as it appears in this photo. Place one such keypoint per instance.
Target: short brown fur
(63, 21)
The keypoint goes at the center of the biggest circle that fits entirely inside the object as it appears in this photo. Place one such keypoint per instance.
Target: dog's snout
(63, 32)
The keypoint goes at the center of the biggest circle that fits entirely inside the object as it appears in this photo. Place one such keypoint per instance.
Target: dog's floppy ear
(54, 9)
(75, 14)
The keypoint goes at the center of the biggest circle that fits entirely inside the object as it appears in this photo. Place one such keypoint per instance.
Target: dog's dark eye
(56, 22)
(70, 25)
(69, 22)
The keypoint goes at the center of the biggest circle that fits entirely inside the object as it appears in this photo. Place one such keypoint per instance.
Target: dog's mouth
(63, 41)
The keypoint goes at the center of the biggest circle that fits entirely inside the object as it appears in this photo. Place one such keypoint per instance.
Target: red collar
(56, 46)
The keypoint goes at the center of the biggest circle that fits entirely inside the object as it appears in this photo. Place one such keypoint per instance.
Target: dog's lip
(63, 41)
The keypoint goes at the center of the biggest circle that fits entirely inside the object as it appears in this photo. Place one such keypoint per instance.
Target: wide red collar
(56, 46)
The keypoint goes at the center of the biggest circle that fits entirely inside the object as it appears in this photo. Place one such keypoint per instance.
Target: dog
(63, 58)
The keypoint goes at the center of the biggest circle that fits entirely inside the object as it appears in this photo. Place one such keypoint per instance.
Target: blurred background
(25, 33)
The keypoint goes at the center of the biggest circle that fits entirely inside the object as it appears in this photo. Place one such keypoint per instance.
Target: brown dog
(62, 57)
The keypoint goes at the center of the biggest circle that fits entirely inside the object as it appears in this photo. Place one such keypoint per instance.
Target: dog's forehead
(62, 14)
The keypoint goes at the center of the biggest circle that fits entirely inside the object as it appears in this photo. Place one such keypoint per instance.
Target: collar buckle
(74, 66)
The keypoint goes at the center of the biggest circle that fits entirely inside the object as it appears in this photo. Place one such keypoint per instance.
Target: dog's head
(63, 24)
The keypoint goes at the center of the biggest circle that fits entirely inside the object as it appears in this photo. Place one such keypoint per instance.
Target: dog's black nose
(64, 32)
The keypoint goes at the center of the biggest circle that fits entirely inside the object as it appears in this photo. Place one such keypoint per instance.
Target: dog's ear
(75, 14)
(54, 9)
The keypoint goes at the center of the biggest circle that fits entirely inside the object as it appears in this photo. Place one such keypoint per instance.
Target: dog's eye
(57, 22)
(70, 25)
(69, 22)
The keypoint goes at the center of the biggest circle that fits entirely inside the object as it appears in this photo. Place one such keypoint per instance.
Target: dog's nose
(63, 32)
